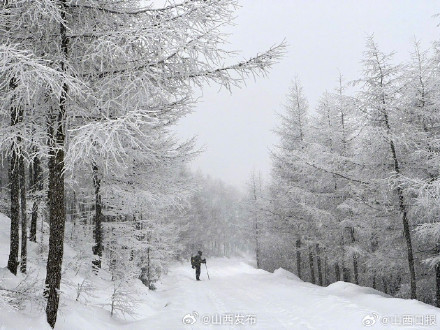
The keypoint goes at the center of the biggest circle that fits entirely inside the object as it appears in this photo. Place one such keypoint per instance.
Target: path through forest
(237, 296)
(240, 296)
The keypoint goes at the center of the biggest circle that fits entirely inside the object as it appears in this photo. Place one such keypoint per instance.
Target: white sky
(324, 37)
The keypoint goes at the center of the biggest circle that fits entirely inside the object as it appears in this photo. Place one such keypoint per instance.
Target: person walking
(196, 262)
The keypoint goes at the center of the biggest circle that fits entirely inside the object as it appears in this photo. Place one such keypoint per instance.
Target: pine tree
(380, 93)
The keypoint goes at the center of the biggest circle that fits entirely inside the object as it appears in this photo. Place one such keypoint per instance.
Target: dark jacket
(198, 260)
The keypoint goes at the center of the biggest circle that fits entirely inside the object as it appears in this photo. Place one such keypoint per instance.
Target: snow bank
(11, 319)
(350, 289)
(91, 312)
(282, 273)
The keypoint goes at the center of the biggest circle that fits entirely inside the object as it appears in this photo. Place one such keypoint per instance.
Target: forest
(90, 91)
(354, 189)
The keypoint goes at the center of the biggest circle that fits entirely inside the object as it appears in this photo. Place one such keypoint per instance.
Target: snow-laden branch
(32, 77)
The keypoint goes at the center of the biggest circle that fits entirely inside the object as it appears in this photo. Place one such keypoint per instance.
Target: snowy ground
(238, 292)
(237, 296)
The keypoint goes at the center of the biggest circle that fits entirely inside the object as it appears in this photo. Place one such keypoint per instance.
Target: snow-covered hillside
(236, 296)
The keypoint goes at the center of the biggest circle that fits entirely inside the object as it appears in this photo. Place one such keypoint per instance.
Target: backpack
(193, 261)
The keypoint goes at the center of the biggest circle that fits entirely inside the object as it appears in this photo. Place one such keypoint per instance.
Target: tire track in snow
(246, 298)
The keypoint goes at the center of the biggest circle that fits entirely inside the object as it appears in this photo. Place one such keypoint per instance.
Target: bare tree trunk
(31, 189)
(337, 272)
(345, 269)
(34, 219)
(36, 184)
(73, 214)
(148, 268)
(113, 300)
(437, 281)
(355, 270)
(98, 247)
(312, 266)
(14, 180)
(74, 208)
(374, 246)
(15, 214)
(298, 257)
(407, 234)
(56, 219)
(22, 179)
(403, 211)
(255, 206)
(385, 286)
(112, 254)
(355, 261)
(257, 243)
(145, 276)
(345, 273)
(57, 213)
(318, 264)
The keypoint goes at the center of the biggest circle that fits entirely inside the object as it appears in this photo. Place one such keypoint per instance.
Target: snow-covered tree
(134, 65)
(379, 99)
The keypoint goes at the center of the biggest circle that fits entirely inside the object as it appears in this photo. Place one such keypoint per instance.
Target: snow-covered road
(240, 296)
(237, 296)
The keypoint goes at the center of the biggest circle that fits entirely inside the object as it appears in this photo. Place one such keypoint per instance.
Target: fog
(324, 38)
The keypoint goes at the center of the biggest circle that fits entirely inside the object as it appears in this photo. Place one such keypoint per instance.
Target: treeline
(354, 191)
(88, 93)
(218, 220)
